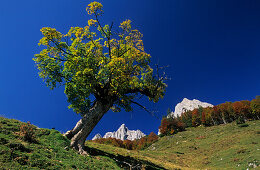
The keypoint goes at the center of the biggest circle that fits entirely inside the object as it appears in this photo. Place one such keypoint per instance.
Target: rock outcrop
(186, 105)
(97, 136)
(124, 133)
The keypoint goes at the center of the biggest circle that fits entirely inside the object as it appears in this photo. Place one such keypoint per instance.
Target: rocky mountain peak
(185, 100)
(97, 136)
(124, 133)
(122, 128)
(186, 105)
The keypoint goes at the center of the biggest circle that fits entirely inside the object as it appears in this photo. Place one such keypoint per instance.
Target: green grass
(228, 146)
(51, 151)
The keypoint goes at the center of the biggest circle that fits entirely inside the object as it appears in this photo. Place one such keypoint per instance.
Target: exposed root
(82, 151)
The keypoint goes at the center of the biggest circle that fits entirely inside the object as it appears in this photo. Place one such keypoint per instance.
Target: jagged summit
(97, 136)
(124, 133)
(186, 105)
(123, 127)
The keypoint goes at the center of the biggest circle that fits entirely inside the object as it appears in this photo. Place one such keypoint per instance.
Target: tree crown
(98, 63)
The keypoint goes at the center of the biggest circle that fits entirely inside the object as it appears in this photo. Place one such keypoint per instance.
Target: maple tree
(101, 69)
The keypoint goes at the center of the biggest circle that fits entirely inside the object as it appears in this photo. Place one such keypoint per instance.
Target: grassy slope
(51, 151)
(217, 147)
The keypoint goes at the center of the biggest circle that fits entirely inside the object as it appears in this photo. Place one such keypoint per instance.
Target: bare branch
(110, 28)
(100, 24)
(143, 107)
(145, 92)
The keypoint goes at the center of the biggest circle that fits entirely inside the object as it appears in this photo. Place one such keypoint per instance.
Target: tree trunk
(213, 121)
(223, 118)
(85, 125)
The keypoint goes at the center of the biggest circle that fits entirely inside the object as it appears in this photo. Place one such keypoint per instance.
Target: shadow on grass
(125, 162)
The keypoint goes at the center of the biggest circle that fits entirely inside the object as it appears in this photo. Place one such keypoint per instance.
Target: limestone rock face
(124, 133)
(97, 136)
(186, 105)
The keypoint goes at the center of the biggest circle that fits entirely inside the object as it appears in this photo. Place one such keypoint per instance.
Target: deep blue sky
(212, 48)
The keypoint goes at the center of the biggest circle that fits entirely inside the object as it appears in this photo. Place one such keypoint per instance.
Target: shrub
(170, 126)
(195, 117)
(141, 143)
(255, 107)
(152, 137)
(164, 128)
(240, 120)
(27, 132)
(242, 109)
(186, 118)
(128, 144)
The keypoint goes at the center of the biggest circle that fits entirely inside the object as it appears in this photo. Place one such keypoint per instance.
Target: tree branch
(57, 45)
(58, 58)
(145, 92)
(143, 107)
(108, 40)
(107, 35)
(124, 52)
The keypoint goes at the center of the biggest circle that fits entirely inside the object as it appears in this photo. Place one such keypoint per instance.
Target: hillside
(50, 150)
(218, 147)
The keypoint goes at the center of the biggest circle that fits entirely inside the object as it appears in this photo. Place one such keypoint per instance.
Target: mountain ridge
(122, 133)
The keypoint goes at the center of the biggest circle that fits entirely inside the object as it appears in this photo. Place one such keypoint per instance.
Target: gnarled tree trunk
(86, 124)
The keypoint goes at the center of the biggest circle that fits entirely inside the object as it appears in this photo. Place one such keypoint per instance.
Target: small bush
(22, 160)
(170, 126)
(27, 132)
(18, 146)
(3, 141)
(128, 144)
(240, 120)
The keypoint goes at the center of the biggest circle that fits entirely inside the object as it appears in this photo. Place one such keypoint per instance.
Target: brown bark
(86, 124)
